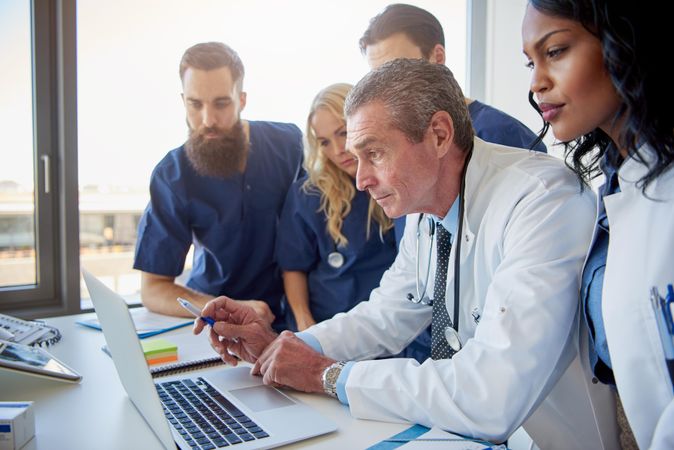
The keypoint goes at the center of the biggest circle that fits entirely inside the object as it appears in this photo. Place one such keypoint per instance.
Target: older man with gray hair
(501, 232)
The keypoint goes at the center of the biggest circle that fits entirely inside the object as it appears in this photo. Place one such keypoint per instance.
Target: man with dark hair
(222, 191)
(406, 31)
(503, 235)
(403, 31)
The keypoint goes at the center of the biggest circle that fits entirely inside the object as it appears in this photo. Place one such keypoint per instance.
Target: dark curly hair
(630, 34)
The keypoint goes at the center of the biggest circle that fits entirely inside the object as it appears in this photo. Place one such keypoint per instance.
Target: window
(72, 190)
(130, 110)
(17, 199)
(36, 89)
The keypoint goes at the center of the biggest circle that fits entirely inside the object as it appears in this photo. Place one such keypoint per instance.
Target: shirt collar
(610, 166)
(451, 219)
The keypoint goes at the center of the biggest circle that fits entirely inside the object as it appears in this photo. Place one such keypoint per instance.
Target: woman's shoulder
(303, 192)
(635, 168)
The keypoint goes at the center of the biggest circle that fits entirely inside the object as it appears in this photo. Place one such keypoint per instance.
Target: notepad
(194, 352)
(158, 351)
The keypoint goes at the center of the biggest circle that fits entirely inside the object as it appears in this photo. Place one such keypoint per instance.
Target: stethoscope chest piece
(335, 259)
(452, 337)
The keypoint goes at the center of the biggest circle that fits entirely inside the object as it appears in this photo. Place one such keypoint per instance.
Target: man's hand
(288, 361)
(262, 309)
(238, 331)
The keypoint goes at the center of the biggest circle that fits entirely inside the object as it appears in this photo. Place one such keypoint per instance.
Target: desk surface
(97, 413)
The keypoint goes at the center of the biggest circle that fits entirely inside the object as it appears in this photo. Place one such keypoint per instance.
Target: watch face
(331, 376)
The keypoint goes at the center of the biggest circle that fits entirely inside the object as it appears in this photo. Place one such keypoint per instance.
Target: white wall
(506, 77)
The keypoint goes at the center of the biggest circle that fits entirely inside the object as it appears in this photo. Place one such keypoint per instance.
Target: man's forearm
(297, 293)
(160, 297)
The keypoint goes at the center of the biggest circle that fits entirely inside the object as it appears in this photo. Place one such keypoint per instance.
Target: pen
(669, 307)
(195, 311)
(665, 336)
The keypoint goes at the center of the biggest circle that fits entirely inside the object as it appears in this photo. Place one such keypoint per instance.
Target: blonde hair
(335, 186)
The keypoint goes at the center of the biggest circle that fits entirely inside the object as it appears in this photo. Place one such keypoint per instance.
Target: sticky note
(159, 351)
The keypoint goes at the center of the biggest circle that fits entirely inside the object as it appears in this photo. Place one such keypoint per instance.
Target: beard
(219, 157)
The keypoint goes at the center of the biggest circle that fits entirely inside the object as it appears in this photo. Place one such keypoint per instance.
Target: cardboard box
(17, 424)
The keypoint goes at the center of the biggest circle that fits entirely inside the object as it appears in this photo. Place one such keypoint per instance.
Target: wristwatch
(330, 376)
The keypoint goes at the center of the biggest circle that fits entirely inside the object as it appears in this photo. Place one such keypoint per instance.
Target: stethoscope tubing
(457, 253)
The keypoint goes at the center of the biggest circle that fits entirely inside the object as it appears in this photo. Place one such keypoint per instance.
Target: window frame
(53, 49)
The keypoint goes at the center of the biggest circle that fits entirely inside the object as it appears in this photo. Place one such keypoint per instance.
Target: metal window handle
(47, 180)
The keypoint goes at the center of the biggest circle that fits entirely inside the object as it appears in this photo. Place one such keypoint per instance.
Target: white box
(17, 424)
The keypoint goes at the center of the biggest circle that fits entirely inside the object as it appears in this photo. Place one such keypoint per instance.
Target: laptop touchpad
(261, 398)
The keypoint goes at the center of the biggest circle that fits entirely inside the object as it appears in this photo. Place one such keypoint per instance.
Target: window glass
(17, 198)
(130, 113)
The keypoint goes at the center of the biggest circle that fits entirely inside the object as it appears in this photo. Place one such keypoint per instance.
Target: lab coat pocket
(660, 349)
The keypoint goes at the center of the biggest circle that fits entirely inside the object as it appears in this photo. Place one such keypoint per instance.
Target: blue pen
(195, 311)
(669, 307)
(661, 322)
(665, 337)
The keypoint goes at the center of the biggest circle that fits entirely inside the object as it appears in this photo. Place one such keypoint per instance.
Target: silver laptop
(228, 407)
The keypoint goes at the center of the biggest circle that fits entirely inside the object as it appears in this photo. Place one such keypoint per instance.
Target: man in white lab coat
(522, 225)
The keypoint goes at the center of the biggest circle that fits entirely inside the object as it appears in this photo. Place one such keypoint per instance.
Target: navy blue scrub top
(304, 245)
(232, 222)
(493, 125)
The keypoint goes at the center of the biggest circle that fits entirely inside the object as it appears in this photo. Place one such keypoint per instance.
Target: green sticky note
(153, 347)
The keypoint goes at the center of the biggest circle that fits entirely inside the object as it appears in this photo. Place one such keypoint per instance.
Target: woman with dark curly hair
(598, 81)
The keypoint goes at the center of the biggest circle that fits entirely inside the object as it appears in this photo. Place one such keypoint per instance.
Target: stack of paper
(159, 351)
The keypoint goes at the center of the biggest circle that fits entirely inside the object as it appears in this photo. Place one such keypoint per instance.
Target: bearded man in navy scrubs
(221, 191)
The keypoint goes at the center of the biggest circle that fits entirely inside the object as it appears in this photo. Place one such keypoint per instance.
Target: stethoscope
(451, 333)
(336, 260)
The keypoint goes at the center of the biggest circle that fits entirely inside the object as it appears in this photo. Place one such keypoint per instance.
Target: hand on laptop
(238, 330)
(288, 361)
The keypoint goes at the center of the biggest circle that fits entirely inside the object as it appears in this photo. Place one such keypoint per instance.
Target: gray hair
(412, 90)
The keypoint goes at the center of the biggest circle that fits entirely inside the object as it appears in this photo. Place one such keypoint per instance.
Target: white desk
(97, 413)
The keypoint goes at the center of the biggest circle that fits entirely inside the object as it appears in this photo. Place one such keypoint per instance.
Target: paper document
(435, 438)
(147, 323)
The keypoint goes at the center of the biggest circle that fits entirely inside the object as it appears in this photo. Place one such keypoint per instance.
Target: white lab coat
(525, 234)
(640, 255)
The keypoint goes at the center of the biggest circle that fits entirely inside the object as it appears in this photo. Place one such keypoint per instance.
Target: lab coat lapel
(635, 265)
(465, 241)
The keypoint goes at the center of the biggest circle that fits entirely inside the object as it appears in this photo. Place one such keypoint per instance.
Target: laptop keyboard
(203, 417)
